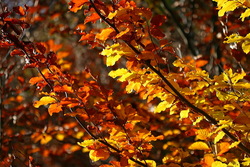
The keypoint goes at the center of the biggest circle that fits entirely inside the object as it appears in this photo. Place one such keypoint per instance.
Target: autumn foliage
(125, 83)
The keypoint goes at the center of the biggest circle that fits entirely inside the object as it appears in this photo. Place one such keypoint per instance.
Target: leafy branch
(178, 94)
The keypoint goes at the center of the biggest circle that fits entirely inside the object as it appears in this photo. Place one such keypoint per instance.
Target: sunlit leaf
(223, 147)
(54, 108)
(104, 35)
(219, 136)
(100, 154)
(218, 164)
(184, 113)
(86, 143)
(44, 101)
(75, 5)
(64, 88)
(245, 14)
(92, 18)
(45, 139)
(234, 144)
(162, 106)
(199, 146)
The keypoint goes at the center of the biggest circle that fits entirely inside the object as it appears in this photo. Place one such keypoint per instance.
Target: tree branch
(179, 95)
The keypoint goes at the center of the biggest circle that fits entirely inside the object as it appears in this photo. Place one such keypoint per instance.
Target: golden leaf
(219, 136)
(44, 101)
(54, 108)
(184, 113)
(218, 164)
(100, 154)
(199, 146)
(104, 35)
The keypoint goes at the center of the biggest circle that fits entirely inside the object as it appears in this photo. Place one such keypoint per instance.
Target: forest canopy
(120, 83)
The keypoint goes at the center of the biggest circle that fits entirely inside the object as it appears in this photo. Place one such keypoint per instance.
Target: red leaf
(92, 18)
(158, 20)
(17, 52)
(41, 47)
(157, 33)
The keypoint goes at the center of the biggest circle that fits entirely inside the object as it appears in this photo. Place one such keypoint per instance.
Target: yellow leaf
(117, 73)
(229, 107)
(199, 146)
(234, 38)
(60, 136)
(45, 139)
(100, 154)
(228, 6)
(246, 162)
(112, 15)
(151, 163)
(246, 45)
(234, 144)
(218, 164)
(179, 63)
(162, 106)
(184, 113)
(234, 163)
(86, 143)
(219, 136)
(245, 14)
(44, 101)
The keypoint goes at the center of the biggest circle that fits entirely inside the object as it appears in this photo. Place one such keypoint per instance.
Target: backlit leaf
(54, 108)
(104, 35)
(75, 5)
(64, 88)
(86, 143)
(223, 147)
(199, 146)
(245, 14)
(184, 113)
(45, 139)
(218, 164)
(92, 18)
(234, 144)
(100, 154)
(228, 6)
(162, 106)
(219, 136)
(44, 101)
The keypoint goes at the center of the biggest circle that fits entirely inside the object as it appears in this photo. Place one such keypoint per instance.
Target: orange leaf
(35, 80)
(85, 36)
(104, 34)
(201, 63)
(223, 147)
(54, 108)
(20, 10)
(122, 33)
(75, 5)
(64, 88)
(208, 160)
(92, 18)
(100, 154)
